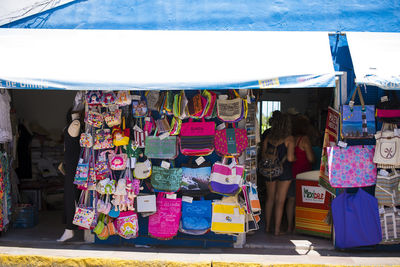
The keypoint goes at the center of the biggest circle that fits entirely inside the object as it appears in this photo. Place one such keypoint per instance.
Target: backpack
(271, 167)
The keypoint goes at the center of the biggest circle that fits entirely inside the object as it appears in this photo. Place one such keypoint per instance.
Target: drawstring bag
(226, 179)
(356, 220)
(164, 224)
(127, 224)
(352, 166)
(231, 141)
(168, 180)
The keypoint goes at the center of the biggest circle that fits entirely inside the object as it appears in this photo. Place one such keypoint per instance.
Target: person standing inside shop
(304, 159)
(71, 157)
(280, 140)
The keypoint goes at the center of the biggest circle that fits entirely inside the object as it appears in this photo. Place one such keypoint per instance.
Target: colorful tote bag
(387, 151)
(127, 224)
(228, 218)
(118, 160)
(113, 118)
(123, 98)
(196, 215)
(139, 107)
(86, 140)
(197, 138)
(84, 214)
(358, 122)
(103, 139)
(356, 220)
(82, 169)
(142, 169)
(231, 141)
(94, 119)
(195, 180)
(157, 148)
(386, 189)
(352, 166)
(164, 224)
(226, 179)
(168, 180)
(94, 97)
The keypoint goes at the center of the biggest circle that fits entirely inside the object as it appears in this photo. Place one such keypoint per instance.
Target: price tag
(221, 127)
(223, 97)
(147, 164)
(381, 210)
(248, 99)
(200, 160)
(136, 97)
(133, 163)
(147, 119)
(81, 161)
(138, 129)
(170, 196)
(396, 132)
(342, 144)
(233, 164)
(384, 98)
(165, 165)
(187, 199)
(164, 135)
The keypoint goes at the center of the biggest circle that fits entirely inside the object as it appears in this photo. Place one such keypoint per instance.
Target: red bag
(231, 141)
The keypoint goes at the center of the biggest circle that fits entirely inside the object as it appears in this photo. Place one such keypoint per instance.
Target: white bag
(146, 203)
(142, 169)
(387, 146)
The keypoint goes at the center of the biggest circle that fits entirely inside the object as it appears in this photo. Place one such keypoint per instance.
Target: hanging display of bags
(358, 121)
(352, 166)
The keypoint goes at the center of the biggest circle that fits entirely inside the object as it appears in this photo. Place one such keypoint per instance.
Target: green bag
(155, 148)
(168, 180)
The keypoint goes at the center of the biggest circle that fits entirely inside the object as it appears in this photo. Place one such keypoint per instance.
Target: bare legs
(276, 196)
(290, 209)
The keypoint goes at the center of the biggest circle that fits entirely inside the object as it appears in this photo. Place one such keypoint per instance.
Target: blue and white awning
(376, 58)
(127, 59)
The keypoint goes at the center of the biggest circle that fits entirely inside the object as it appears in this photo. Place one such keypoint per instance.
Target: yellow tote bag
(228, 218)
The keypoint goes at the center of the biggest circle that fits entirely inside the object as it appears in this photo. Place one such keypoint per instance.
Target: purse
(231, 141)
(117, 161)
(196, 215)
(176, 125)
(139, 136)
(255, 205)
(101, 166)
(123, 98)
(163, 125)
(352, 166)
(386, 189)
(121, 136)
(103, 139)
(82, 169)
(113, 118)
(226, 179)
(94, 119)
(356, 220)
(94, 97)
(387, 150)
(86, 140)
(195, 179)
(142, 168)
(168, 180)
(358, 122)
(108, 98)
(155, 148)
(197, 138)
(127, 225)
(84, 215)
(196, 106)
(152, 97)
(139, 107)
(230, 110)
(210, 107)
(164, 224)
(227, 218)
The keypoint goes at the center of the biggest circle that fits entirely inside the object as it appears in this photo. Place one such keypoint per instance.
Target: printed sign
(313, 194)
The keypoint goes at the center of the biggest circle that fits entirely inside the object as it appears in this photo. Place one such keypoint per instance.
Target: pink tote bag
(164, 224)
(352, 166)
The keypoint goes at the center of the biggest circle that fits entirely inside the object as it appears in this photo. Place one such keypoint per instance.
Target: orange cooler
(312, 205)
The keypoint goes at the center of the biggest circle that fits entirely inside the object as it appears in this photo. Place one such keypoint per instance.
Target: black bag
(271, 167)
(389, 111)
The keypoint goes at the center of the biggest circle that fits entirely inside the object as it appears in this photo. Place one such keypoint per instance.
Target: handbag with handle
(197, 138)
(139, 106)
(228, 218)
(94, 119)
(356, 220)
(358, 121)
(231, 110)
(387, 151)
(94, 97)
(113, 118)
(226, 179)
(86, 140)
(123, 98)
(168, 180)
(127, 225)
(164, 224)
(142, 168)
(157, 148)
(121, 135)
(210, 107)
(352, 166)
(231, 141)
(108, 98)
(103, 139)
(118, 160)
(82, 169)
(84, 214)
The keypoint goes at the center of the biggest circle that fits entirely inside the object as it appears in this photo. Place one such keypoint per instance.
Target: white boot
(68, 234)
